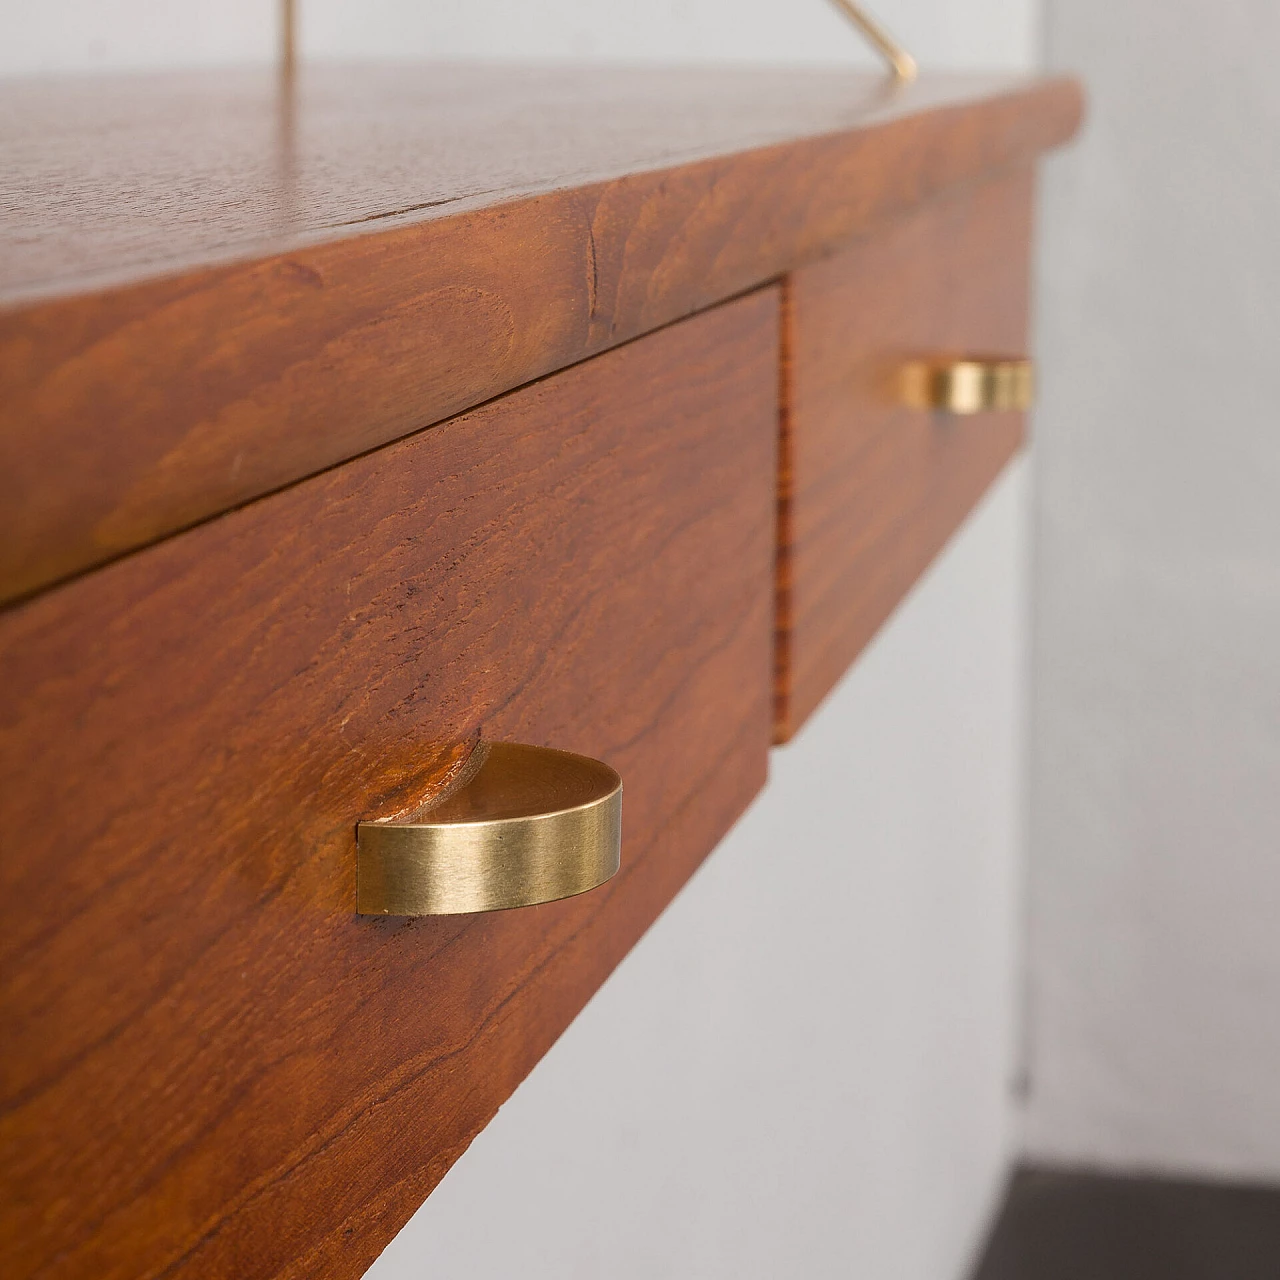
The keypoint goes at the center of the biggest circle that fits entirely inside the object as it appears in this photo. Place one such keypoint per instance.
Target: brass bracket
(902, 64)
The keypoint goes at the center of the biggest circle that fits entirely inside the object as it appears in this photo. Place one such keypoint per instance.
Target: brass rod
(902, 63)
(288, 38)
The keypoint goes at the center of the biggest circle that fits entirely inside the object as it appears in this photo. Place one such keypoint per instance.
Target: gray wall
(1156, 762)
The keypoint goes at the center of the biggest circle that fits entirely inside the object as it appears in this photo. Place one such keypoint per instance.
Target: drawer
(871, 488)
(214, 1067)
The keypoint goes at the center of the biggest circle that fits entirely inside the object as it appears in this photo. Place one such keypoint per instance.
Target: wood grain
(212, 1067)
(870, 490)
(212, 293)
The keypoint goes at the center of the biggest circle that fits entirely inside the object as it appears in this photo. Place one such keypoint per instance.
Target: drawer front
(213, 1067)
(870, 488)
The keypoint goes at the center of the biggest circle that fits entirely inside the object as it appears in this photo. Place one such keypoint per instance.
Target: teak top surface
(209, 298)
(112, 179)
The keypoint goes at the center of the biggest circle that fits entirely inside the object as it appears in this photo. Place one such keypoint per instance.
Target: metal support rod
(288, 38)
(901, 62)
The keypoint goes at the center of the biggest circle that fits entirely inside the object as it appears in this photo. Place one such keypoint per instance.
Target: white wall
(78, 35)
(952, 33)
(803, 1069)
(38, 36)
(1156, 849)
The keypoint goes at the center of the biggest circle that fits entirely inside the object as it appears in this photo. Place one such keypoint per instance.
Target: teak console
(344, 427)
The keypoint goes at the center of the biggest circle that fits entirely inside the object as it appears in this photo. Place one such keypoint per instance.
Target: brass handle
(974, 385)
(530, 825)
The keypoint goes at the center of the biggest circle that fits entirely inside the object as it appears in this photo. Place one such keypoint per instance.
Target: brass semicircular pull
(975, 384)
(530, 825)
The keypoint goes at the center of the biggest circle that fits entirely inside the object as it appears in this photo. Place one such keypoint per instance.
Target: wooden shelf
(112, 180)
(209, 291)
(211, 294)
